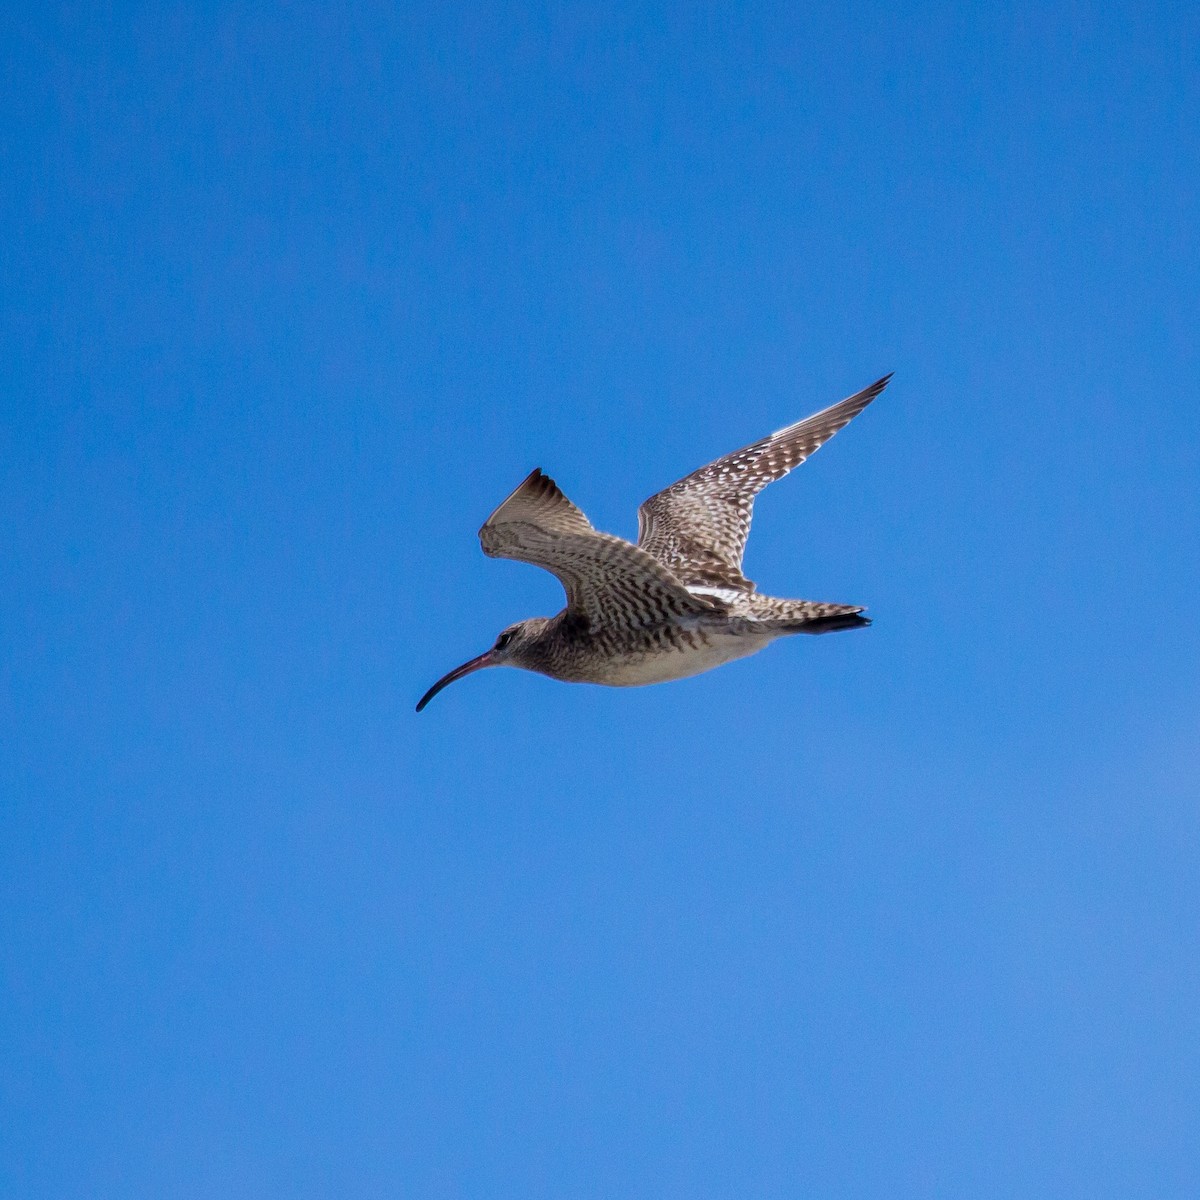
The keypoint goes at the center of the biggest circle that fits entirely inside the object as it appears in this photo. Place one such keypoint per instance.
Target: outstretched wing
(698, 527)
(608, 580)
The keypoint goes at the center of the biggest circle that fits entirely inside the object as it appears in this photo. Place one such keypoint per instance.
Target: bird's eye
(504, 639)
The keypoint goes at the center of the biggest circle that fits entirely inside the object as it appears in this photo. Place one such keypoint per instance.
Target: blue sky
(291, 297)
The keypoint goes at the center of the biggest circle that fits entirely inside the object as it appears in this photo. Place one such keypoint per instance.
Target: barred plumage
(676, 603)
(698, 526)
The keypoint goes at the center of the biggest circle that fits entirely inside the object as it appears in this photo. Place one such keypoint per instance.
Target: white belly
(678, 662)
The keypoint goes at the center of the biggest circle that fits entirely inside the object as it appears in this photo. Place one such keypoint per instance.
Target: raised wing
(697, 528)
(607, 579)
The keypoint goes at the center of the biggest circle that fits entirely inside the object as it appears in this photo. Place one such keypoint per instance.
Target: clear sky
(291, 297)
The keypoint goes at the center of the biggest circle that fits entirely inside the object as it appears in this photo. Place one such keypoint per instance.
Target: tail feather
(834, 623)
(806, 616)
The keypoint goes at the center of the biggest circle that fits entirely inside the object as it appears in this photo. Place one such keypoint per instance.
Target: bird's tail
(807, 616)
(852, 618)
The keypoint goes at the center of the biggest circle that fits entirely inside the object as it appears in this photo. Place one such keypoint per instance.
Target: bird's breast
(655, 655)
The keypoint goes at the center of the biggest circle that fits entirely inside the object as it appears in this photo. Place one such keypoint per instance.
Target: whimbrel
(675, 604)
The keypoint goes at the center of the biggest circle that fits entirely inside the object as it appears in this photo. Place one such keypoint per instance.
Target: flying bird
(675, 604)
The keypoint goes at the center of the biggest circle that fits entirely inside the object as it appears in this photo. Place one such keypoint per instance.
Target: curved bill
(484, 660)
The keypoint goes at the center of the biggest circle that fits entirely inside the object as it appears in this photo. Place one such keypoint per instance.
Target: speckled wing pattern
(698, 527)
(607, 579)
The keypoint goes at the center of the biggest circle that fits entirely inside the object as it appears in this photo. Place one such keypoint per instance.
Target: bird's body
(676, 604)
(629, 657)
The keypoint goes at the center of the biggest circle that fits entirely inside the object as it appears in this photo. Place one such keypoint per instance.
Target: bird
(675, 603)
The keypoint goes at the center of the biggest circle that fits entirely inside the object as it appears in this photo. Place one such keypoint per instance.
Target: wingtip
(535, 476)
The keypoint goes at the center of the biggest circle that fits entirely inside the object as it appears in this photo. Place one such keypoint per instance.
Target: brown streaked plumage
(675, 604)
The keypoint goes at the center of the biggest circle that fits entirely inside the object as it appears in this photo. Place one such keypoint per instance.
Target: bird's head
(511, 650)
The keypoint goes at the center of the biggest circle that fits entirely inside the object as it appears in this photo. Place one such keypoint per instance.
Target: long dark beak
(484, 660)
